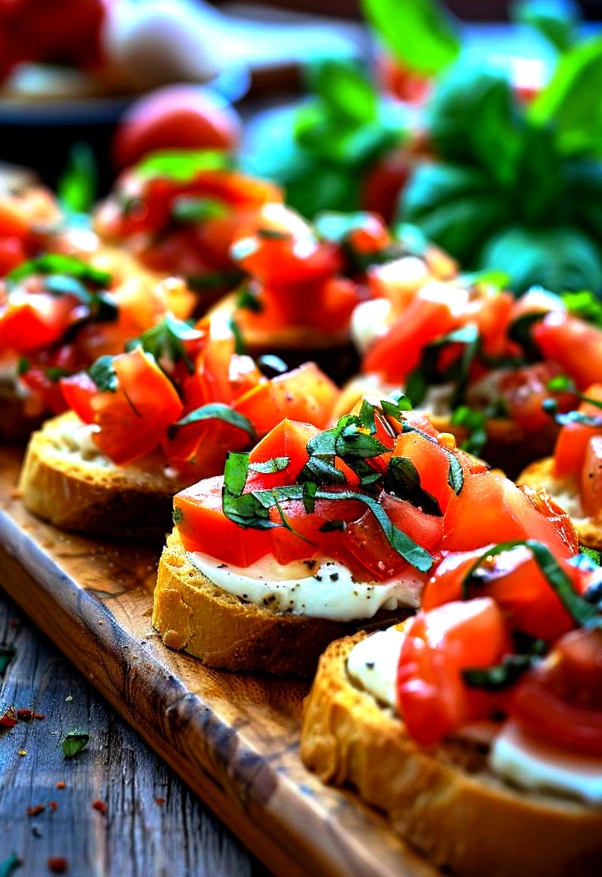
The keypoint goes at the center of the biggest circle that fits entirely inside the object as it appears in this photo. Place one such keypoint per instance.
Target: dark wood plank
(153, 824)
(232, 738)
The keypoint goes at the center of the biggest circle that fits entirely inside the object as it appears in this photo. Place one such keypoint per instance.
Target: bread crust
(565, 492)
(195, 615)
(92, 495)
(443, 799)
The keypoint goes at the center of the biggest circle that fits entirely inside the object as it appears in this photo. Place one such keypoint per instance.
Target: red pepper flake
(100, 806)
(53, 805)
(24, 715)
(10, 718)
(38, 716)
(61, 785)
(35, 811)
(58, 865)
(159, 801)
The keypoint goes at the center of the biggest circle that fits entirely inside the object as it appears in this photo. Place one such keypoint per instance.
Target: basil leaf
(470, 106)
(456, 207)
(345, 89)
(500, 676)
(558, 258)
(166, 340)
(497, 279)
(332, 526)
(9, 865)
(580, 610)
(249, 300)
(193, 209)
(476, 424)
(309, 496)
(220, 411)
(58, 263)
(556, 22)
(584, 305)
(402, 479)
(422, 34)
(74, 742)
(570, 100)
(77, 187)
(7, 653)
(103, 374)
(183, 165)
(276, 464)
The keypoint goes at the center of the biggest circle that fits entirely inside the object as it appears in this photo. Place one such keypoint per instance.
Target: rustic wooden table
(152, 826)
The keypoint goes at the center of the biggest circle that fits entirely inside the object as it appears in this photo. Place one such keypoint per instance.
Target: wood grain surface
(153, 825)
(232, 738)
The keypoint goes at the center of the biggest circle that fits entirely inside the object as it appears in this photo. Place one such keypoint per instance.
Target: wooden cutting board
(232, 738)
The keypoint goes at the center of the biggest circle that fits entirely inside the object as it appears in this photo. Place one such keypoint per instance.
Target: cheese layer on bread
(319, 589)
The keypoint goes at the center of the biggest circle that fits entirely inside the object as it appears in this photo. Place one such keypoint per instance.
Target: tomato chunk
(437, 645)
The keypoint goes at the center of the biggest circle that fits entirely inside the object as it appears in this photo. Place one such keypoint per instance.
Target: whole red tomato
(175, 117)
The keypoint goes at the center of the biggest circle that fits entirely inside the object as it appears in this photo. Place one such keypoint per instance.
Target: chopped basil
(402, 479)
(177, 515)
(103, 374)
(240, 346)
(248, 300)
(192, 209)
(74, 742)
(476, 424)
(273, 234)
(7, 653)
(502, 675)
(166, 340)
(215, 411)
(276, 464)
(7, 866)
(58, 263)
(183, 165)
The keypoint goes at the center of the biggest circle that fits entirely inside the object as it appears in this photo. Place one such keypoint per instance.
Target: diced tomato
(281, 249)
(491, 505)
(431, 461)
(367, 542)
(437, 646)
(591, 478)
(491, 313)
(572, 343)
(430, 314)
(288, 438)
(514, 581)
(306, 538)
(29, 322)
(12, 254)
(203, 526)
(134, 419)
(305, 394)
(199, 450)
(573, 439)
(561, 699)
(78, 391)
(524, 391)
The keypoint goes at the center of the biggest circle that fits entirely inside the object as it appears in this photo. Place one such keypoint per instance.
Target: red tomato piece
(29, 322)
(431, 461)
(437, 645)
(491, 506)
(514, 581)
(203, 526)
(304, 394)
(524, 391)
(288, 438)
(175, 117)
(200, 449)
(561, 700)
(78, 391)
(572, 343)
(427, 317)
(134, 419)
(591, 478)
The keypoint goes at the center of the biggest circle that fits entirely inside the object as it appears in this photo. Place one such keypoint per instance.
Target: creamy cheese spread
(318, 589)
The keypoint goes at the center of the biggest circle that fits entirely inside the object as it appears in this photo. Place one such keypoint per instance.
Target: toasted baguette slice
(443, 800)
(195, 615)
(565, 492)
(67, 481)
